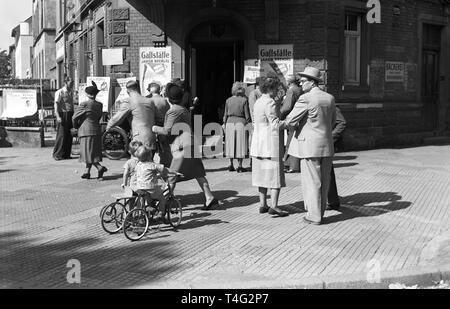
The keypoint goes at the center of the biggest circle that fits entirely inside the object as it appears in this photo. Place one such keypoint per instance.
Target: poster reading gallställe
(278, 59)
(155, 66)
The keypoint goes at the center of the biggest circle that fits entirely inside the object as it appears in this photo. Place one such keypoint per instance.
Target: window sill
(355, 89)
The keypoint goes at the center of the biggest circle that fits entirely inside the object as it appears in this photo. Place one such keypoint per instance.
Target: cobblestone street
(395, 216)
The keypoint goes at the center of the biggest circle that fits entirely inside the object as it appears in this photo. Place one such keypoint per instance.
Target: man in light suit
(314, 116)
(143, 113)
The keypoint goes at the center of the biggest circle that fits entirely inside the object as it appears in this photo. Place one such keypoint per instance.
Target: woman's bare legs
(274, 196)
(203, 183)
(274, 210)
(262, 197)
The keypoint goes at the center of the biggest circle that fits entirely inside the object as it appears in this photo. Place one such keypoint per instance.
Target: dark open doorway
(431, 50)
(215, 60)
(215, 67)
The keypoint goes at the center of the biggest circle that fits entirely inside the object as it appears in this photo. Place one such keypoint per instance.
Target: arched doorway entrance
(215, 52)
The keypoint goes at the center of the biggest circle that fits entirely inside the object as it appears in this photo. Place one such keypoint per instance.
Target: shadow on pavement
(212, 170)
(296, 208)
(368, 205)
(341, 165)
(344, 158)
(193, 199)
(197, 219)
(3, 159)
(6, 171)
(112, 177)
(27, 263)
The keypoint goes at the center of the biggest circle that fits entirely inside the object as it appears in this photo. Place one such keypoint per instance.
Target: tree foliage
(5, 65)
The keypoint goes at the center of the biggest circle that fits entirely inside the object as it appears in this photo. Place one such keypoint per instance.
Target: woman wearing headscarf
(177, 128)
(267, 148)
(87, 120)
(235, 119)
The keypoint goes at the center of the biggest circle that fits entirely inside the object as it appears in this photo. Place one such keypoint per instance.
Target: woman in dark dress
(87, 120)
(235, 119)
(177, 128)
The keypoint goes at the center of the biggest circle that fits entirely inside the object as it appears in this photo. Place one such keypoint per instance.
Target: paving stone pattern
(394, 203)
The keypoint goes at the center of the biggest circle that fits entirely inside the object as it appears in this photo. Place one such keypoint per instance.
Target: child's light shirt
(148, 177)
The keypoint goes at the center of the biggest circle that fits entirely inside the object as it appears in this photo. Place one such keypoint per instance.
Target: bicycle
(137, 222)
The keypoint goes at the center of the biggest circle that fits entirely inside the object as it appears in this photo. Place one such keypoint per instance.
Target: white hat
(312, 73)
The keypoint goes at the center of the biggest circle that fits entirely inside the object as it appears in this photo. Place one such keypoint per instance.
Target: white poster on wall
(82, 97)
(19, 103)
(278, 59)
(104, 85)
(60, 49)
(123, 95)
(251, 73)
(112, 56)
(155, 65)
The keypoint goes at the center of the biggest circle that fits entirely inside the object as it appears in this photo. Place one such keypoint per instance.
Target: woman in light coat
(267, 148)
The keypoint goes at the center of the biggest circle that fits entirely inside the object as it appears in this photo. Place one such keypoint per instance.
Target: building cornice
(45, 30)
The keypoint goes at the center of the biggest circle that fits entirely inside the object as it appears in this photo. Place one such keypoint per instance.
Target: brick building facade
(391, 79)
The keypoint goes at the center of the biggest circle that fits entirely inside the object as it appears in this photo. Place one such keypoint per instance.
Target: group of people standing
(155, 121)
(313, 124)
(308, 114)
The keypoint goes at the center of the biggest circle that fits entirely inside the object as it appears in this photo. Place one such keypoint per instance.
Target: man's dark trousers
(63, 145)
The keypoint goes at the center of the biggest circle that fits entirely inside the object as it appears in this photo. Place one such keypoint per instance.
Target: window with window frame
(352, 49)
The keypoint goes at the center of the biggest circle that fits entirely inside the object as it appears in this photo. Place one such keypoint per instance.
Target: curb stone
(424, 276)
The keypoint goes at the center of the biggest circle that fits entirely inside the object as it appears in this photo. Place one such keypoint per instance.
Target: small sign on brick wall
(394, 71)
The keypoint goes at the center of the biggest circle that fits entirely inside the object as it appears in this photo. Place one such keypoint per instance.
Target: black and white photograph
(224, 149)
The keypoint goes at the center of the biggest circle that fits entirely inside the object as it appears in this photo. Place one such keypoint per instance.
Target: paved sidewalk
(395, 218)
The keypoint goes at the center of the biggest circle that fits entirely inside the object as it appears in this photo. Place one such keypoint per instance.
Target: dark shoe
(101, 172)
(86, 176)
(263, 210)
(278, 212)
(310, 222)
(231, 168)
(57, 158)
(333, 206)
(241, 170)
(214, 202)
(291, 171)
